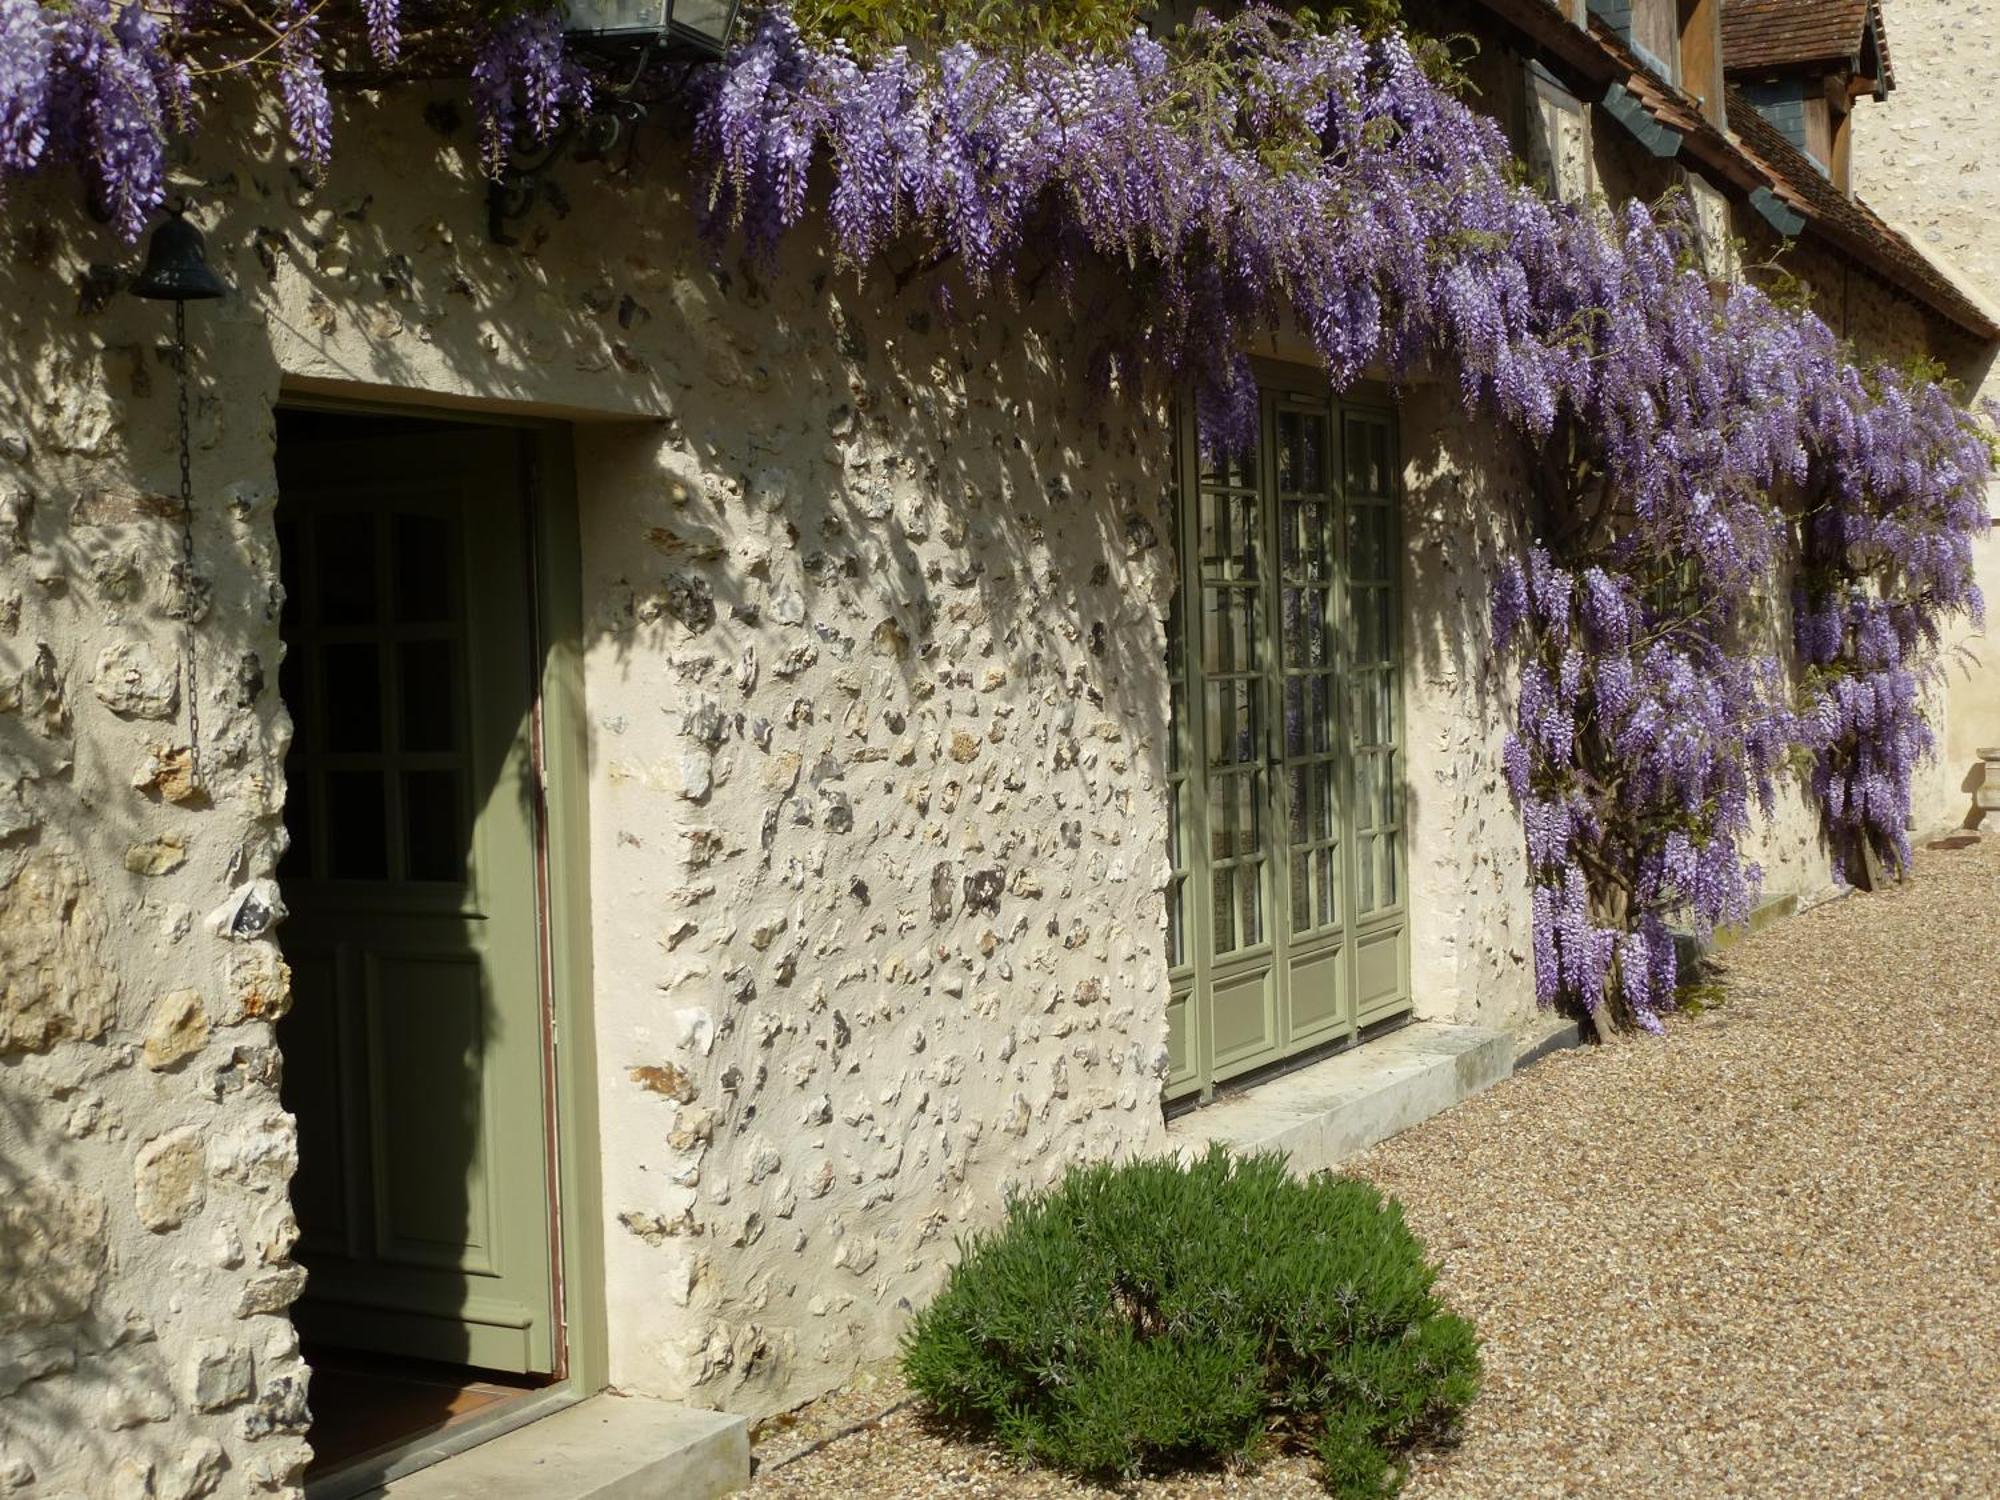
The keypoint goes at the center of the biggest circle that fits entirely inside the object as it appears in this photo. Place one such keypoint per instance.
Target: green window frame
(1287, 918)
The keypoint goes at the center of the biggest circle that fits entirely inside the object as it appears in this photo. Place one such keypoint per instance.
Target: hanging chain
(188, 592)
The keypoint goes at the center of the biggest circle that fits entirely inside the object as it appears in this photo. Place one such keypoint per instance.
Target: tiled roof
(1851, 224)
(1752, 155)
(1780, 33)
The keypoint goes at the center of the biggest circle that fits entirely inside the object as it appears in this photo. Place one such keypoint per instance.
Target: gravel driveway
(1760, 1258)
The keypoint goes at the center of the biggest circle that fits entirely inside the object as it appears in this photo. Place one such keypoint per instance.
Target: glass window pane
(1366, 850)
(1326, 886)
(1298, 792)
(1389, 783)
(1229, 639)
(1320, 699)
(1308, 544)
(433, 846)
(1370, 558)
(1223, 895)
(1235, 820)
(1295, 716)
(1250, 902)
(1367, 640)
(423, 568)
(1368, 470)
(429, 691)
(1302, 902)
(1176, 922)
(1307, 641)
(357, 825)
(1228, 540)
(1237, 470)
(344, 568)
(1324, 809)
(1233, 732)
(351, 682)
(1385, 890)
(1301, 453)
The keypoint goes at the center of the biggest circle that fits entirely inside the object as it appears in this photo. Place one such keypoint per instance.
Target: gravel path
(1761, 1258)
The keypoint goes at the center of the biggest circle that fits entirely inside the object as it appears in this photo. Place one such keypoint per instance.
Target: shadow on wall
(143, 1227)
(846, 511)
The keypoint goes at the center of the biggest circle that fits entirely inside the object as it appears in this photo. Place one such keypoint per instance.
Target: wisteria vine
(1697, 460)
(103, 86)
(1689, 453)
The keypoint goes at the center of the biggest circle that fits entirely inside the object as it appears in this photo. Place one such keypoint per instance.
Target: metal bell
(177, 268)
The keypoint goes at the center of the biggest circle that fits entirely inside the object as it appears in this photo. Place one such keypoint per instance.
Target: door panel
(416, 1045)
(1285, 919)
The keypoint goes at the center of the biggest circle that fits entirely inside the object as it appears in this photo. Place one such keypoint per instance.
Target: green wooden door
(415, 1048)
(1286, 927)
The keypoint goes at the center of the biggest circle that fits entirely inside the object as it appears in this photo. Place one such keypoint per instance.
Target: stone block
(271, 1291)
(219, 1375)
(194, 1473)
(133, 682)
(52, 983)
(168, 773)
(169, 1179)
(160, 856)
(177, 1029)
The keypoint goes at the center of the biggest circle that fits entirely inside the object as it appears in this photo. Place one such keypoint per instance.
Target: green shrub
(1151, 1315)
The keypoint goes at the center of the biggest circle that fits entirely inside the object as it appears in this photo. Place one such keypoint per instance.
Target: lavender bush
(1696, 458)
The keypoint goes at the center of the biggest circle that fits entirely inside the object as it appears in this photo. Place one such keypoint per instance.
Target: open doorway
(418, 1048)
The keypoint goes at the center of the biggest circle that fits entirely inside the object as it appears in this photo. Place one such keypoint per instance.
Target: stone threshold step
(1325, 1113)
(605, 1448)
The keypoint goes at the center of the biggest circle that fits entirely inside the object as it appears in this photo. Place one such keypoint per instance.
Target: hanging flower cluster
(102, 85)
(1691, 456)
(1892, 502)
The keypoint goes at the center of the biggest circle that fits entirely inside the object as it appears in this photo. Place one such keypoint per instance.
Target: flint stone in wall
(177, 1029)
(252, 910)
(161, 856)
(195, 1473)
(132, 682)
(52, 1254)
(132, 1479)
(53, 983)
(218, 1375)
(281, 1407)
(271, 1292)
(260, 986)
(168, 773)
(168, 1179)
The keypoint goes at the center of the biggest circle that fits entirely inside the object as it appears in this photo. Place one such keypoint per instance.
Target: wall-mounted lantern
(177, 271)
(705, 25)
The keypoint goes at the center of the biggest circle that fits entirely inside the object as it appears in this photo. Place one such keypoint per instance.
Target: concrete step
(1325, 1113)
(604, 1448)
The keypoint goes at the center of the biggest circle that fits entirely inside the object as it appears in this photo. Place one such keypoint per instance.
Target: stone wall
(1924, 158)
(145, 1351)
(873, 662)
(878, 821)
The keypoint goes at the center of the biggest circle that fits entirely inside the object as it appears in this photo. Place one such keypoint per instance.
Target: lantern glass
(705, 21)
(620, 17)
